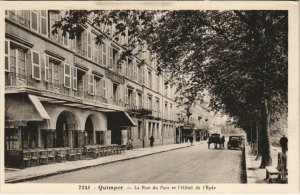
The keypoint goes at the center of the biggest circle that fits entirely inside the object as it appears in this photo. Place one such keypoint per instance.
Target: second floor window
(74, 78)
(39, 21)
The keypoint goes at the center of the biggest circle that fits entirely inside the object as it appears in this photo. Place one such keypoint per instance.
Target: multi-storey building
(72, 92)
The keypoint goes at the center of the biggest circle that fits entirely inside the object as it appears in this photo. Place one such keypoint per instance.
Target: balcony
(15, 81)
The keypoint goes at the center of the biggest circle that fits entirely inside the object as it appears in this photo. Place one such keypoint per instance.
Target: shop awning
(21, 108)
(39, 107)
(121, 119)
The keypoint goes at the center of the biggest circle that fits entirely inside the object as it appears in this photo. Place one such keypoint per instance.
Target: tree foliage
(239, 57)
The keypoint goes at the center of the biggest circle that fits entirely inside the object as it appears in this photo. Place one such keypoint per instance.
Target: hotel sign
(114, 77)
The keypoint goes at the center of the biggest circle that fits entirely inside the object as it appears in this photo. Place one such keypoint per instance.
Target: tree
(240, 57)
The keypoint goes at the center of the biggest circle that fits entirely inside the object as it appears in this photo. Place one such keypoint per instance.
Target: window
(34, 20)
(67, 75)
(46, 69)
(104, 53)
(149, 79)
(36, 66)
(74, 78)
(89, 45)
(91, 84)
(43, 21)
(54, 70)
(7, 64)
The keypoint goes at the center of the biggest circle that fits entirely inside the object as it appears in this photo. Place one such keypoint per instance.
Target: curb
(86, 167)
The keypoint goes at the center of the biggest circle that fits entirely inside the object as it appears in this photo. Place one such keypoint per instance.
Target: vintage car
(214, 138)
(235, 141)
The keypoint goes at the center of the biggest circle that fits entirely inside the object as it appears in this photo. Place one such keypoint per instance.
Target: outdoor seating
(71, 154)
(88, 150)
(35, 158)
(123, 148)
(43, 156)
(280, 170)
(108, 150)
(101, 150)
(26, 158)
(78, 153)
(51, 155)
(95, 152)
(60, 155)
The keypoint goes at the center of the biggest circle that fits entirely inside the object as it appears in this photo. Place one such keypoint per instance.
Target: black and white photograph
(154, 99)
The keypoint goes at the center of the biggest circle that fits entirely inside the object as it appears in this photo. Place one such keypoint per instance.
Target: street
(196, 164)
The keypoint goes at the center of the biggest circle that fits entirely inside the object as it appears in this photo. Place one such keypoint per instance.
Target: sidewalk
(254, 173)
(21, 175)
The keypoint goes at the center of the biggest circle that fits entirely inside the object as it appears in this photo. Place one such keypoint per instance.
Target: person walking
(151, 141)
(222, 141)
(191, 139)
(284, 144)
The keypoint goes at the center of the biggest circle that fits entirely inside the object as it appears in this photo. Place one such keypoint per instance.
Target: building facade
(62, 92)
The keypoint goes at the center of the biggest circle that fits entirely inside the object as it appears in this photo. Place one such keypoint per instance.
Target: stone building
(62, 92)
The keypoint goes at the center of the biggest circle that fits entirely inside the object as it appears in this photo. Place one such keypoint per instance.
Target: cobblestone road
(195, 164)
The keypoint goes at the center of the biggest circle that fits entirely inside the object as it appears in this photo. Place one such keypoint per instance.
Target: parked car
(235, 141)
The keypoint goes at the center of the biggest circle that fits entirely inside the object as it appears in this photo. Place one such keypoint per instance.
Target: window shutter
(84, 42)
(126, 67)
(91, 84)
(43, 65)
(104, 52)
(110, 55)
(100, 53)
(36, 65)
(67, 75)
(126, 96)
(143, 103)
(143, 74)
(134, 99)
(7, 56)
(89, 45)
(104, 88)
(44, 25)
(47, 68)
(95, 49)
(74, 78)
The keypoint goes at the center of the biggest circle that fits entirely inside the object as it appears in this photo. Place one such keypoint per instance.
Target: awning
(39, 107)
(121, 119)
(21, 108)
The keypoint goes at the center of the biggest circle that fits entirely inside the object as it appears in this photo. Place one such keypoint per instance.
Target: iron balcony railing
(13, 79)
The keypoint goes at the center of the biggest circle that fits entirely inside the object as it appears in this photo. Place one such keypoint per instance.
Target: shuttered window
(67, 75)
(43, 64)
(36, 65)
(34, 20)
(7, 49)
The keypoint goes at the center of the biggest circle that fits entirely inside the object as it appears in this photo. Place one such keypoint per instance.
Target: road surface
(196, 164)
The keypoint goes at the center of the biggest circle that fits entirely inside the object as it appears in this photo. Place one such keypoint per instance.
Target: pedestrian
(284, 144)
(151, 141)
(191, 139)
(222, 141)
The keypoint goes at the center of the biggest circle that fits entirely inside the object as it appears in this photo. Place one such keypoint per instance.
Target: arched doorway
(65, 125)
(89, 131)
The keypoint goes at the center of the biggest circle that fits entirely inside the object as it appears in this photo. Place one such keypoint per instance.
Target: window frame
(36, 65)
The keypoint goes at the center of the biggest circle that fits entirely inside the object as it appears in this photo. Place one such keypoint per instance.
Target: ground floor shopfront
(163, 131)
(32, 123)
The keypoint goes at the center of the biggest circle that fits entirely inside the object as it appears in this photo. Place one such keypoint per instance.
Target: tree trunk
(266, 159)
(259, 141)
